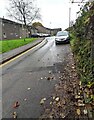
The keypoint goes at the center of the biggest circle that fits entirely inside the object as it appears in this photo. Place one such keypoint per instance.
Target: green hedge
(82, 40)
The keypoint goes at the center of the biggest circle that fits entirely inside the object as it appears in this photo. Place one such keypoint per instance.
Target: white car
(62, 37)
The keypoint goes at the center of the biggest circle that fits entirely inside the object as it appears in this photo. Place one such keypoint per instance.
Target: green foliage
(7, 45)
(82, 40)
(35, 24)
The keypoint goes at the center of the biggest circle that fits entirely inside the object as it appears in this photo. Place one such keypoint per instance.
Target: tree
(35, 24)
(24, 11)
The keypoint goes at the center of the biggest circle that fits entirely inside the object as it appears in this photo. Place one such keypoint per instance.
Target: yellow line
(19, 56)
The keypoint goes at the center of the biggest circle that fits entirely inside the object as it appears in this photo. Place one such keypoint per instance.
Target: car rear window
(62, 33)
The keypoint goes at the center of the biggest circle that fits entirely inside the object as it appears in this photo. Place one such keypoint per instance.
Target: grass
(7, 45)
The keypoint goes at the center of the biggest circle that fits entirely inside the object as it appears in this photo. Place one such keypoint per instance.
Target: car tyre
(56, 43)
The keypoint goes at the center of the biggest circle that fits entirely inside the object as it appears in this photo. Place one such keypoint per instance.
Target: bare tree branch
(23, 11)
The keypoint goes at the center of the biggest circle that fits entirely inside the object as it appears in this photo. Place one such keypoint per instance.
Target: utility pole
(69, 17)
(50, 28)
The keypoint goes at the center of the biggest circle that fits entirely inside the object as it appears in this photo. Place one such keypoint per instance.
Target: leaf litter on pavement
(67, 100)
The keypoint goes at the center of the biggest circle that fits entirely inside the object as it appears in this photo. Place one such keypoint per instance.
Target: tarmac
(15, 52)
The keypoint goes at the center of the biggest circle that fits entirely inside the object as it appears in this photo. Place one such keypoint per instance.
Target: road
(31, 78)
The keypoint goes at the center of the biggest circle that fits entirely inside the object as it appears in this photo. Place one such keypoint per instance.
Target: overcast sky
(55, 13)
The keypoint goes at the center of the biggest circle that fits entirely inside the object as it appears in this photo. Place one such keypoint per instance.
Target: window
(4, 35)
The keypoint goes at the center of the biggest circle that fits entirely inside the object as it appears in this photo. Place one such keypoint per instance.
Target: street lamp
(50, 28)
(69, 17)
(72, 1)
(79, 1)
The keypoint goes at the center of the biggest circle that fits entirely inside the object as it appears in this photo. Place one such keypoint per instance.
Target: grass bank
(7, 45)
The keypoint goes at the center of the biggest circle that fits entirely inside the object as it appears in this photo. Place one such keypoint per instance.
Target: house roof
(16, 23)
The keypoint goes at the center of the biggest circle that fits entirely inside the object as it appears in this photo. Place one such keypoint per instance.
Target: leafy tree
(37, 24)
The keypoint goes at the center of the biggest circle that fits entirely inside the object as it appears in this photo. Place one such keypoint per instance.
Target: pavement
(15, 52)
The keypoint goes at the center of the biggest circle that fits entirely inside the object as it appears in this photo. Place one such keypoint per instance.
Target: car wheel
(56, 43)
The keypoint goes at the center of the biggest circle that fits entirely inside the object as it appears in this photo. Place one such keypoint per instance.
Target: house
(42, 29)
(11, 30)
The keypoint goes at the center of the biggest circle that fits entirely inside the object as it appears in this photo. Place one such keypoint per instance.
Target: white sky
(55, 13)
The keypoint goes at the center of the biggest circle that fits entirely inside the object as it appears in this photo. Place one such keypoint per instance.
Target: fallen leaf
(63, 102)
(73, 67)
(80, 83)
(58, 71)
(48, 78)
(28, 88)
(52, 78)
(80, 101)
(79, 93)
(51, 116)
(77, 96)
(41, 78)
(42, 101)
(25, 99)
(59, 104)
(51, 103)
(62, 115)
(14, 115)
(78, 111)
(56, 85)
(16, 104)
(85, 111)
(53, 97)
(81, 104)
(80, 86)
(49, 72)
(57, 99)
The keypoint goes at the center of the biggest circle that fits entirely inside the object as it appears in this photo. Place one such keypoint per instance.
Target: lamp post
(72, 1)
(79, 1)
(69, 18)
(50, 28)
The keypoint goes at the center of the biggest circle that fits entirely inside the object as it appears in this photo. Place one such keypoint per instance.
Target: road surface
(31, 78)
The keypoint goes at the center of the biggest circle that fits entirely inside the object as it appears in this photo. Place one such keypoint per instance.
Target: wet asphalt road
(32, 71)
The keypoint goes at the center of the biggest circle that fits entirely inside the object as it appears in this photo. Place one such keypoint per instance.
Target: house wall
(34, 31)
(23, 32)
(10, 30)
(54, 31)
(0, 29)
(13, 30)
(42, 29)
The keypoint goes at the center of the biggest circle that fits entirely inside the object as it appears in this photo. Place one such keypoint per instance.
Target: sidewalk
(67, 100)
(13, 53)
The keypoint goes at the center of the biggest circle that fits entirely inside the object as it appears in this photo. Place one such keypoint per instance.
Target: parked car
(35, 35)
(62, 37)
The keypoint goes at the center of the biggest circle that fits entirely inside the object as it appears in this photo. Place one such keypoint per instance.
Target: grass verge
(7, 45)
